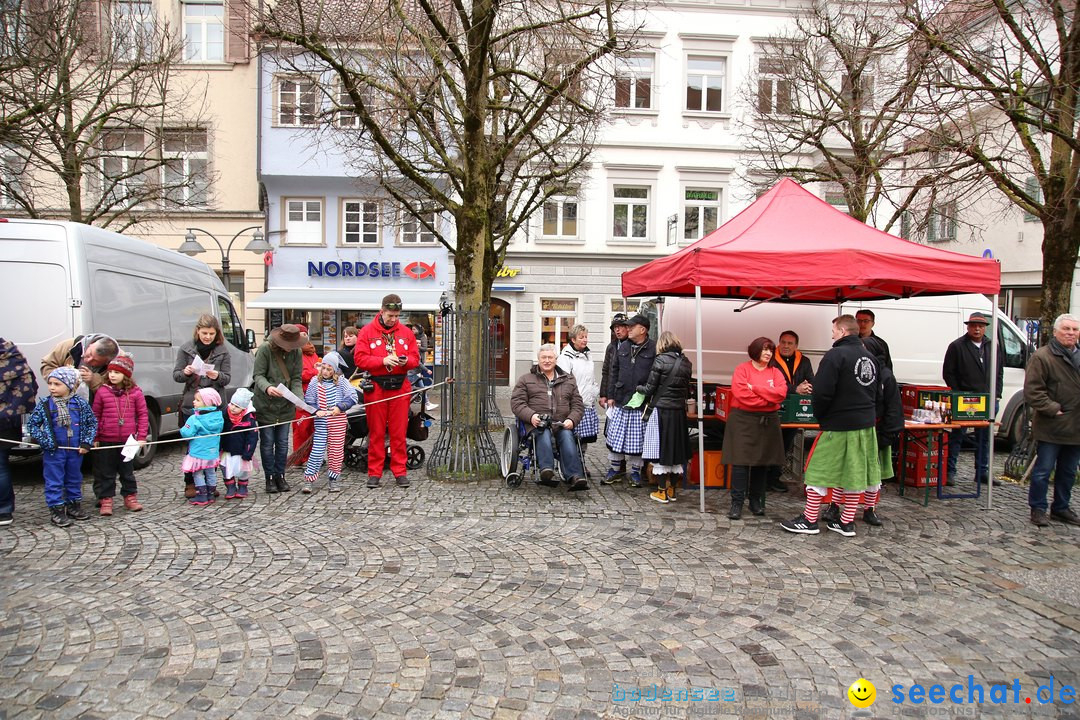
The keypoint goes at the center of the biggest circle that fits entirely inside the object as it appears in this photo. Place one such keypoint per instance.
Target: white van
(918, 330)
(59, 280)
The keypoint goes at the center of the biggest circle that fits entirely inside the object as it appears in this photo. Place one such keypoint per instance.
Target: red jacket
(758, 390)
(370, 350)
(309, 370)
(111, 405)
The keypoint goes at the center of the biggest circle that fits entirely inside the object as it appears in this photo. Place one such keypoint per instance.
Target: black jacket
(669, 381)
(890, 409)
(968, 368)
(609, 360)
(803, 370)
(847, 387)
(881, 348)
(630, 369)
(347, 355)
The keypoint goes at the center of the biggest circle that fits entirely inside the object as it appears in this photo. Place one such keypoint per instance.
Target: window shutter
(765, 95)
(931, 227)
(237, 43)
(905, 225)
(1031, 187)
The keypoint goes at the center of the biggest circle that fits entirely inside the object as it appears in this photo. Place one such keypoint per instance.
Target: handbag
(389, 382)
(418, 427)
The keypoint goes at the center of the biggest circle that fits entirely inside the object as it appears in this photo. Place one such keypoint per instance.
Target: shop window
(557, 316)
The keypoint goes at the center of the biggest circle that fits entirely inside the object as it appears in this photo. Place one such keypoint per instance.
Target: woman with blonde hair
(665, 395)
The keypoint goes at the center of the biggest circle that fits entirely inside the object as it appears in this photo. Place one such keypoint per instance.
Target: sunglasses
(392, 306)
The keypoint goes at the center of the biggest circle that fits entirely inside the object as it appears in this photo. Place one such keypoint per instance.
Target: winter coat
(40, 423)
(668, 385)
(240, 443)
(963, 370)
(609, 360)
(308, 371)
(630, 369)
(218, 357)
(757, 390)
(534, 395)
(203, 428)
(18, 390)
(340, 394)
(347, 355)
(112, 405)
(371, 349)
(580, 365)
(267, 373)
(878, 347)
(890, 409)
(69, 353)
(1052, 385)
(847, 387)
(804, 370)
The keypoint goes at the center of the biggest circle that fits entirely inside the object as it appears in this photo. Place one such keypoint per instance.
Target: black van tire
(147, 452)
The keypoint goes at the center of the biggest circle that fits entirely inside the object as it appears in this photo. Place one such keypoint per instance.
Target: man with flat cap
(625, 433)
(388, 350)
(967, 368)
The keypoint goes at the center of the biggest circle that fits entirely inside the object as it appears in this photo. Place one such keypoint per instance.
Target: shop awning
(344, 299)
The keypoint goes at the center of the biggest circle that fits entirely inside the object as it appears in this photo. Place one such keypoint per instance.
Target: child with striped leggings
(331, 395)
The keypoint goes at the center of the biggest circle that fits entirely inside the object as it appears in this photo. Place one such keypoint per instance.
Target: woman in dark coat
(752, 438)
(665, 394)
(207, 344)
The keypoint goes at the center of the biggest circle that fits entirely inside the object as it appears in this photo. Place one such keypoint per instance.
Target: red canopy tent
(791, 246)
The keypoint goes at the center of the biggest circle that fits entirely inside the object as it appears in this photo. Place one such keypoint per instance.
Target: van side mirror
(250, 339)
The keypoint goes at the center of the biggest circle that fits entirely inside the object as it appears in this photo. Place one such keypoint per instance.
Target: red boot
(131, 502)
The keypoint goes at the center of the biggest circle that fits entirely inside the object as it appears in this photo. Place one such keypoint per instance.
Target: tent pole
(991, 401)
(700, 403)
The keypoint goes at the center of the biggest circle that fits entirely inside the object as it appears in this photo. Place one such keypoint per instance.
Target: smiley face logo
(862, 693)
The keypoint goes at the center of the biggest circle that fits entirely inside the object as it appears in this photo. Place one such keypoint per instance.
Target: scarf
(18, 387)
(235, 417)
(1059, 349)
(204, 350)
(63, 416)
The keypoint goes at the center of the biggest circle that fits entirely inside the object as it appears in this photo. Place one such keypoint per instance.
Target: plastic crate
(797, 409)
(716, 473)
(723, 401)
(917, 458)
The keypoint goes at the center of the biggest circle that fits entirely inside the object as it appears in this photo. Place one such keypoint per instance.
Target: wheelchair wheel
(509, 452)
(414, 457)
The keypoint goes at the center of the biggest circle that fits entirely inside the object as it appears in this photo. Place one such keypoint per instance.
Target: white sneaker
(431, 406)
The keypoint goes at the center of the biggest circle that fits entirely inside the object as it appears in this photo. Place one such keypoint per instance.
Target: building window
(561, 218)
(204, 31)
(705, 78)
(774, 86)
(345, 111)
(185, 179)
(9, 177)
(123, 166)
(633, 82)
(303, 222)
(298, 102)
(864, 100)
(557, 316)
(132, 29)
(630, 213)
(701, 212)
(941, 225)
(1031, 187)
(360, 222)
(627, 306)
(415, 232)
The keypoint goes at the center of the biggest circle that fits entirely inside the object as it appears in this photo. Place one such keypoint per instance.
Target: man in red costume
(387, 349)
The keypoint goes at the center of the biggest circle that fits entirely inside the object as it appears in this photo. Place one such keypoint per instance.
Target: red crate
(917, 457)
(909, 395)
(723, 401)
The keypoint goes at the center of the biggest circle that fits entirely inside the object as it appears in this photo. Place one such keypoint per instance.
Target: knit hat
(66, 375)
(210, 397)
(242, 398)
(334, 360)
(124, 364)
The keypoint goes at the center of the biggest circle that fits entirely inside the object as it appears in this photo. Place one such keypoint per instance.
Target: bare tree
(95, 124)
(479, 110)
(1014, 70)
(832, 99)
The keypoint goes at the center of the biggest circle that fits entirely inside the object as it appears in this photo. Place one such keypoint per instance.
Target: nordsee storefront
(329, 289)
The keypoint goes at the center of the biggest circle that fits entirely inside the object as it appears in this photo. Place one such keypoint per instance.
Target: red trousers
(395, 414)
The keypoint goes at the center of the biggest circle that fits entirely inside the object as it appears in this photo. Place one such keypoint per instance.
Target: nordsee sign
(416, 270)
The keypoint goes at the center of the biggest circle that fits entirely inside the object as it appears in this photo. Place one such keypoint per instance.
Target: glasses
(392, 306)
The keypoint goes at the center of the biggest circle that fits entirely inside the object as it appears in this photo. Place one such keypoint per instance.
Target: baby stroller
(356, 434)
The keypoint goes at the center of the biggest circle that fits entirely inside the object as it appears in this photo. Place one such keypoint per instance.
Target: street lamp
(258, 244)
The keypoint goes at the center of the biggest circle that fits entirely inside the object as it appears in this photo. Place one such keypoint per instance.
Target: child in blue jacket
(204, 428)
(65, 427)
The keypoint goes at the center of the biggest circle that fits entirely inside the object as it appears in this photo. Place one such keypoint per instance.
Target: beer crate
(723, 401)
(921, 464)
(797, 409)
(912, 396)
(716, 473)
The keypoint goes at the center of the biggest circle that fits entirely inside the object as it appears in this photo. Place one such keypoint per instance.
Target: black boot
(271, 484)
(757, 491)
(738, 492)
(282, 486)
(75, 511)
(59, 516)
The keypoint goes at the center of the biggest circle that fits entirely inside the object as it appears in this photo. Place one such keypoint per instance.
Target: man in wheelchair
(547, 399)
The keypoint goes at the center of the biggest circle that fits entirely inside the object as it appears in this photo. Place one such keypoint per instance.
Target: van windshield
(1014, 346)
(230, 324)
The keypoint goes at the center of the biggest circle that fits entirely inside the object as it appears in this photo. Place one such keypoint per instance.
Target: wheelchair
(518, 454)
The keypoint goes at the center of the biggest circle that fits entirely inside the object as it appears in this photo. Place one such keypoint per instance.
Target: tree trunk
(1060, 244)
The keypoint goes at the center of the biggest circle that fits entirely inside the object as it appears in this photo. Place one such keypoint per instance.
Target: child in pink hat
(204, 428)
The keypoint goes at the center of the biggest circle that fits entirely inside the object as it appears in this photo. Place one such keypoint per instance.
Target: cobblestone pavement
(473, 600)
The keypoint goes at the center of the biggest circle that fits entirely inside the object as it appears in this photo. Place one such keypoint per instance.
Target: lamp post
(258, 244)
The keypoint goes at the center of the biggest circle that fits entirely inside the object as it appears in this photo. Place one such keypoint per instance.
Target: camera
(545, 422)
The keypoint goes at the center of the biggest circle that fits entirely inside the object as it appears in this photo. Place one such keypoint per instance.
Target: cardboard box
(797, 409)
(716, 473)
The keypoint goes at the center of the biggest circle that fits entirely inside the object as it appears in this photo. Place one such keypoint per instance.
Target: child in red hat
(120, 409)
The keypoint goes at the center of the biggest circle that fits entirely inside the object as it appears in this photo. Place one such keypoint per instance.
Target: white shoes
(431, 406)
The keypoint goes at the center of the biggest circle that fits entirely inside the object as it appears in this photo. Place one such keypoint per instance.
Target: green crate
(797, 409)
(965, 405)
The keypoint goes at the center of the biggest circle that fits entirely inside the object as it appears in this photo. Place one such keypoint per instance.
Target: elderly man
(89, 354)
(847, 390)
(547, 398)
(799, 373)
(967, 368)
(1052, 391)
